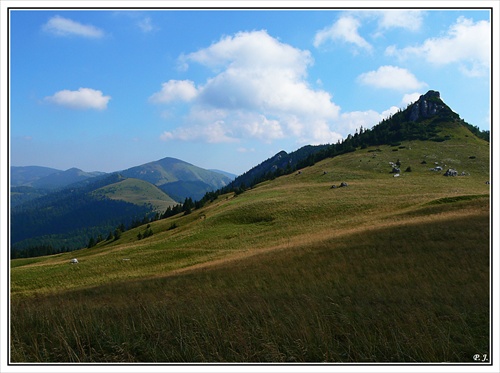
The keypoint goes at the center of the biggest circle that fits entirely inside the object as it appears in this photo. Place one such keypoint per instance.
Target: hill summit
(427, 106)
(428, 118)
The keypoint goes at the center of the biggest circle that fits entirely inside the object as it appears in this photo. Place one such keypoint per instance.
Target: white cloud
(258, 90)
(410, 98)
(354, 120)
(396, 18)
(391, 77)
(84, 98)
(465, 43)
(344, 30)
(60, 26)
(175, 90)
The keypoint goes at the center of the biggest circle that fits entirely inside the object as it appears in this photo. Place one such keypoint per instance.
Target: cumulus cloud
(258, 89)
(175, 90)
(61, 26)
(466, 43)
(84, 98)
(344, 30)
(391, 77)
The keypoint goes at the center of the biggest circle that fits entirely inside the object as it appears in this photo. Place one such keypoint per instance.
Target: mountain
(427, 119)
(28, 174)
(281, 161)
(61, 179)
(64, 208)
(31, 182)
(46, 177)
(177, 178)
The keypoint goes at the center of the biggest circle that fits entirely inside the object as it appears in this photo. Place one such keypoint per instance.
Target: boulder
(343, 184)
(451, 172)
(395, 170)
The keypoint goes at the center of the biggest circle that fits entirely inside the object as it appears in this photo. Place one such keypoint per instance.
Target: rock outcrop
(427, 106)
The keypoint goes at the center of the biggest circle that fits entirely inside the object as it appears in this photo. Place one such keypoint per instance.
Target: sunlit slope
(138, 192)
(292, 211)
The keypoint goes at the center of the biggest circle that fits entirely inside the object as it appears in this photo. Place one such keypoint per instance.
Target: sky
(105, 90)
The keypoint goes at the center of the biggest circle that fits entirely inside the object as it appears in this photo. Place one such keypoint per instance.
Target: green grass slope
(138, 192)
(293, 270)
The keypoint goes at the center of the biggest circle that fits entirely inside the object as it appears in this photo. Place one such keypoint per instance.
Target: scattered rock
(74, 261)
(395, 170)
(451, 172)
(395, 175)
(343, 184)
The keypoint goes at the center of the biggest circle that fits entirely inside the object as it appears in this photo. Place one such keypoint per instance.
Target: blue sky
(110, 89)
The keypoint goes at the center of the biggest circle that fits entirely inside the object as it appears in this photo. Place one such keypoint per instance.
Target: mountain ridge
(424, 119)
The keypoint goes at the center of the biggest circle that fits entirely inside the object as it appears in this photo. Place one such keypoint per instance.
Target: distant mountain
(65, 208)
(177, 178)
(29, 174)
(61, 179)
(67, 217)
(228, 174)
(47, 178)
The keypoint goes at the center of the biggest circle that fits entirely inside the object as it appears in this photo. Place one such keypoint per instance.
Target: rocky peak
(427, 106)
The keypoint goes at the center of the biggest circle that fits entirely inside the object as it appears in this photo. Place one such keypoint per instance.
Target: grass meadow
(384, 270)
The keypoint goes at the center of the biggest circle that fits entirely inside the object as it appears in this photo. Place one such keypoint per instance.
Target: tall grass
(379, 296)
(385, 270)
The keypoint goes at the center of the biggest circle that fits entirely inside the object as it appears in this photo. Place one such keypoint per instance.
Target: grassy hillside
(385, 269)
(138, 192)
